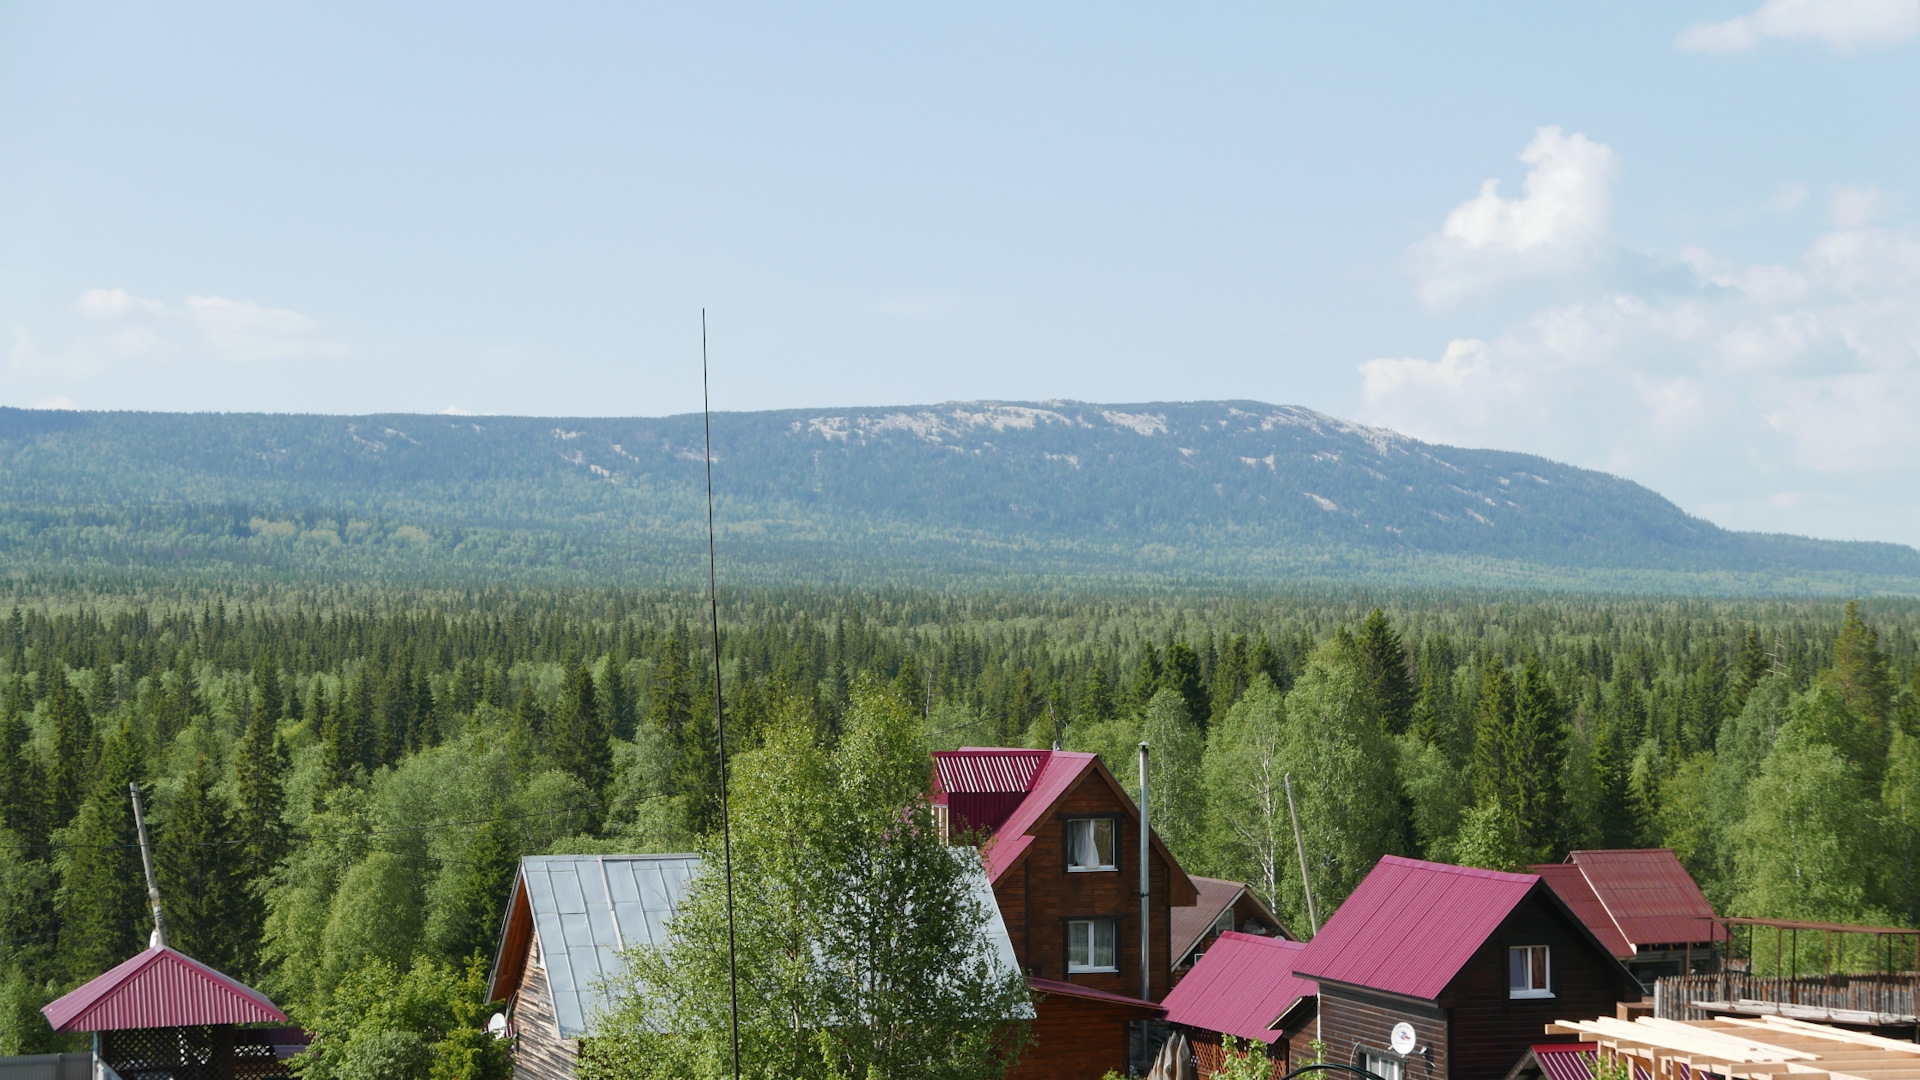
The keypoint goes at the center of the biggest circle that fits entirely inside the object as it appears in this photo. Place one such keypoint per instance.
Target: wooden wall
(1353, 1019)
(1210, 1055)
(1076, 1039)
(1039, 897)
(1492, 1030)
(539, 1053)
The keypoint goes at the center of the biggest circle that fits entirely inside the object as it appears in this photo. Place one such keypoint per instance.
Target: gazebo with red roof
(163, 1012)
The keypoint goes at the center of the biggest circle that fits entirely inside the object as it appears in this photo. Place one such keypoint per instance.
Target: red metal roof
(160, 988)
(1240, 987)
(1570, 885)
(979, 770)
(1650, 896)
(1574, 1061)
(1058, 771)
(1411, 926)
(1056, 988)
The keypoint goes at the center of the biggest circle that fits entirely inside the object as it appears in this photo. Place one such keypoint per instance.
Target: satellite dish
(1403, 1038)
(497, 1027)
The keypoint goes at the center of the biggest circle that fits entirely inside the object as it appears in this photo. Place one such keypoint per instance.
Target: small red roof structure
(1410, 926)
(160, 988)
(1634, 898)
(1195, 921)
(1241, 987)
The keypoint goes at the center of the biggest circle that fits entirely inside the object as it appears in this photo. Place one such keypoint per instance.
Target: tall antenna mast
(719, 712)
(159, 940)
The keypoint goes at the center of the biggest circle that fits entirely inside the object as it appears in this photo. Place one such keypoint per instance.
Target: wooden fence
(1887, 995)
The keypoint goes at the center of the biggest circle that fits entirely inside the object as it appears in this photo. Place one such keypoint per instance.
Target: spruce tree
(259, 820)
(102, 897)
(580, 739)
(1148, 674)
(1383, 664)
(268, 699)
(1537, 755)
(340, 747)
(616, 700)
(1096, 696)
(672, 705)
(1492, 727)
(1182, 676)
(1860, 672)
(201, 884)
(21, 782)
(73, 734)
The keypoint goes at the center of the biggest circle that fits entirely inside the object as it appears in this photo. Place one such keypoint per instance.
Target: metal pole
(1146, 882)
(146, 861)
(719, 712)
(1300, 846)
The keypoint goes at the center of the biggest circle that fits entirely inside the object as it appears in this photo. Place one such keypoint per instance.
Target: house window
(1090, 945)
(1224, 923)
(1090, 845)
(1527, 972)
(1384, 1066)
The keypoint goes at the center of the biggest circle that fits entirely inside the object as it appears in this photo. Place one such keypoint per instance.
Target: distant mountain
(970, 491)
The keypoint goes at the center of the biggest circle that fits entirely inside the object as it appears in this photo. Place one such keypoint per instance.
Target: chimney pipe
(1146, 888)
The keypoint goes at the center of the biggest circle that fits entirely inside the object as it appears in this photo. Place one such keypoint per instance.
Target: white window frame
(1223, 922)
(1524, 956)
(1385, 1066)
(1113, 845)
(1087, 927)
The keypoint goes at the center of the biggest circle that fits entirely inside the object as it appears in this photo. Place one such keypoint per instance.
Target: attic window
(1224, 923)
(1090, 845)
(1528, 968)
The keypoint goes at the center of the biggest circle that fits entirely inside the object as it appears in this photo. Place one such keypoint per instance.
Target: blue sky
(1698, 266)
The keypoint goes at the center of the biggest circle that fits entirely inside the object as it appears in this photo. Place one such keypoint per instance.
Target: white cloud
(1844, 25)
(1555, 227)
(123, 328)
(58, 401)
(1776, 396)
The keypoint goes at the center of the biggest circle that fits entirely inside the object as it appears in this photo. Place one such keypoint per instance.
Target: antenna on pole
(159, 939)
(1300, 846)
(719, 710)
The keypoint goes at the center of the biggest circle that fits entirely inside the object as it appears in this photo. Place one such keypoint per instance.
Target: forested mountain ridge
(1234, 490)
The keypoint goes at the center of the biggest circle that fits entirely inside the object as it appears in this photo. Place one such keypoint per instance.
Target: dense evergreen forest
(340, 780)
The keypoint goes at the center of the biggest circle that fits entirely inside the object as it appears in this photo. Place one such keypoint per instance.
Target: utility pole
(1300, 846)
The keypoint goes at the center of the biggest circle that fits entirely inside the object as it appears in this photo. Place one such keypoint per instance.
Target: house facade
(1060, 842)
(1222, 906)
(1474, 962)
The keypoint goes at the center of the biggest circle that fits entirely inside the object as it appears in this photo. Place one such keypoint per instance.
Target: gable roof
(1570, 885)
(1647, 896)
(160, 988)
(1241, 987)
(1191, 922)
(1410, 926)
(1049, 775)
(587, 909)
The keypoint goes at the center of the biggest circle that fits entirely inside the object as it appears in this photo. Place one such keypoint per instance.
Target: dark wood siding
(1491, 1030)
(1353, 1020)
(1039, 897)
(539, 1053)
(1076, 1039)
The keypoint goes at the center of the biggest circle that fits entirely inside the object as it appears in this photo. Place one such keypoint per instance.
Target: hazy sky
(1671, 240)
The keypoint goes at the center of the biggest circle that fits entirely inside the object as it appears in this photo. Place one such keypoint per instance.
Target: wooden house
(567, 921)
(1222, 906)
(1059, 839)
(1474, 962)
(1643, 905)
(1245, 987)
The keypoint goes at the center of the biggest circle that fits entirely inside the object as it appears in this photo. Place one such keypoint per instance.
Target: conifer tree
(201, 884)
(268, 698)
(102, 896)
(580, 739)
(1096, 696)
(73, 734)
(22, 782)
(340, 745)
(672, 704)
(1182, 676)
(1860, 671)
(1537, 755)
(616, 700)
(1492, 724)
(1383, 665)
(259, 820)
(1148, 674)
